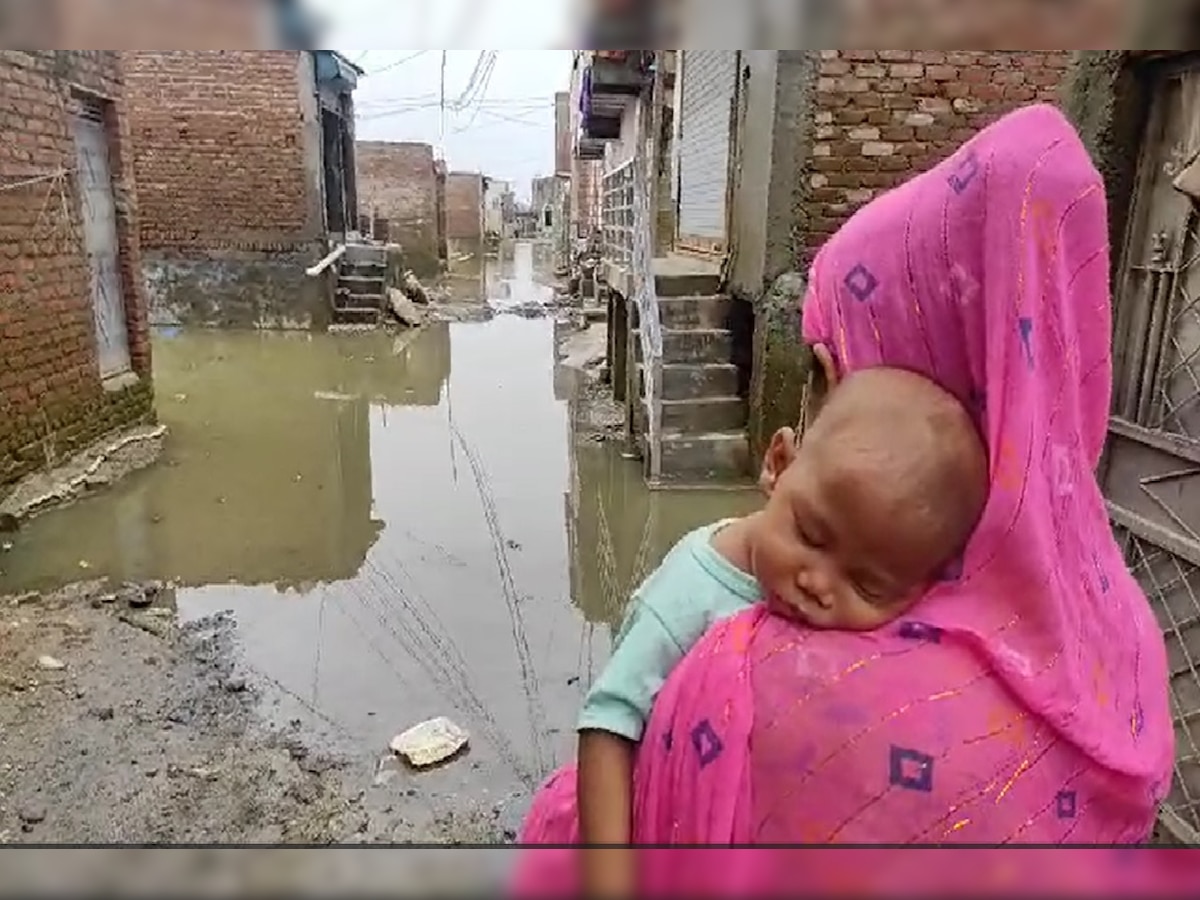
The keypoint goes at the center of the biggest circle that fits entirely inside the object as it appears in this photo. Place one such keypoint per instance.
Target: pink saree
(1024, 699)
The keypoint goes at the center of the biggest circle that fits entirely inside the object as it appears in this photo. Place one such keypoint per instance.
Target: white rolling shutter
(709, 79)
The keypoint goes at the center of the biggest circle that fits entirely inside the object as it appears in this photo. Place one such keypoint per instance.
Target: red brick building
(245, 166)
(74, 346)
(398, 194)
(464, 208)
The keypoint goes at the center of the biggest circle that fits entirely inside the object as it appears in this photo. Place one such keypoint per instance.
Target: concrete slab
(684, 264)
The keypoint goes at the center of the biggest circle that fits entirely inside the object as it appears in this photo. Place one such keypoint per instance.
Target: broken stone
(135, 596)
(149, 625)
(32, 815)
(413, 289)
(27, 598)
(236, 685)
(51, 664)
(103, 713)
(430, 742)
(404, 310)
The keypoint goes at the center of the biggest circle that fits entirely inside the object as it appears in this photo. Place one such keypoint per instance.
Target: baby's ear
(781, 452)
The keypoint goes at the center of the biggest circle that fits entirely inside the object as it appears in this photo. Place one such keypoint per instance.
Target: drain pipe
(330, 258)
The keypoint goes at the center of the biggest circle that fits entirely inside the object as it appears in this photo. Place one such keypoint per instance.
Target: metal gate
(99, 211)
(707, 94)
(1151, 473)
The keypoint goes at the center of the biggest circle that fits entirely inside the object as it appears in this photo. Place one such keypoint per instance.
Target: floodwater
(403, 527)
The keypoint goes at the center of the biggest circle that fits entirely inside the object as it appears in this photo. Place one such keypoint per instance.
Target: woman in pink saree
(1024, 699)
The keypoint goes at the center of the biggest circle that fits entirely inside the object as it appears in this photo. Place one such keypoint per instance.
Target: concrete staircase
(703, 439)
(361, 293)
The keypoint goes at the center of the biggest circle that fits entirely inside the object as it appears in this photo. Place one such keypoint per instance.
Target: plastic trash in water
(430, 742)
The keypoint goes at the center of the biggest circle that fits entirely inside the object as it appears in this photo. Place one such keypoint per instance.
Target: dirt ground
(116, 725)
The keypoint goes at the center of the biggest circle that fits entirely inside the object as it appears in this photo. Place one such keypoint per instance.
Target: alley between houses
(348, 533)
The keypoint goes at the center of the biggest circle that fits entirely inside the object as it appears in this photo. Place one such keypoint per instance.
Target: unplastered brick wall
(562, 133)
(882, 115)
(464, 206)
(220, 150)
(398, 182)
(586, 185)
(52, 399)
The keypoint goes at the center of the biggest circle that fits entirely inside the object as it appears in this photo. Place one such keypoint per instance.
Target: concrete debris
(51, 664)
(404, 310)
(413, 289)
(99, 465)
(430, 742)
(32, 815)
(139, 596)
(151, 626)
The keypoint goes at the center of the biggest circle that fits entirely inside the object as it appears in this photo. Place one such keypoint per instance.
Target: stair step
(362, 270)
(693, 381)
(708, 311)
(693, 345)
(686, 285)
(359, 254)
(362, 284)
(704, 416)
(347, 300)
(715, 457)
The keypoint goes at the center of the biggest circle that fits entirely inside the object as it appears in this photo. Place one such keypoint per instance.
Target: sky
(507, 129)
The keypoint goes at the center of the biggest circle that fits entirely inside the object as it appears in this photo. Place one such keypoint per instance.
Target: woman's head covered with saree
(1024, 699)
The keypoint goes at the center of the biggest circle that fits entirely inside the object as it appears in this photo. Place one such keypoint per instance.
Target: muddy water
(402, 526)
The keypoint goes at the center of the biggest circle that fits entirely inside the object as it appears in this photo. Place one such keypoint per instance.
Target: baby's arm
(605, 790)
(610, 727)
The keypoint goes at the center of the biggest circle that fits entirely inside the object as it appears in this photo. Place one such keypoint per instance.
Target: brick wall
(397, 182)
(586, 185)
(52, 400)
(562, 133)
(882, 115)
(228, 160)
(219, 151)
(464, 206)
(439, 174)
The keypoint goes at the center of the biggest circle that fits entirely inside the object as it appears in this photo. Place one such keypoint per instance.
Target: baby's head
(882, 493)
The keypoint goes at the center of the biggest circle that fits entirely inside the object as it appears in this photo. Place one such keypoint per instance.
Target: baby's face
(838, 547)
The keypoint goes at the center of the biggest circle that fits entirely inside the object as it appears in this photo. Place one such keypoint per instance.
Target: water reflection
(512, 276)
(618, 531)
(267, 477)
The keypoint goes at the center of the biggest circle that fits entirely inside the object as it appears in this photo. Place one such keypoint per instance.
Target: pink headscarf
(1024, 699)
(989, 275)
